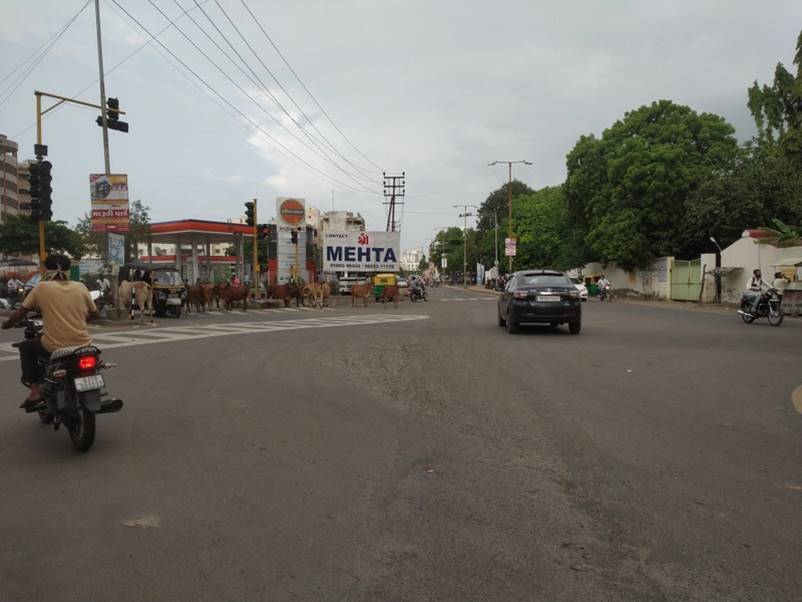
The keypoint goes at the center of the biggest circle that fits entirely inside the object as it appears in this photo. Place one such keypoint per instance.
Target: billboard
(109, 202)
(361, 251)
(510, 246)
(290, 215)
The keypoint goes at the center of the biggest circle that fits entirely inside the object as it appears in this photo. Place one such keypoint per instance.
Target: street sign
(290, 222)
(361, 251)
(443, 262)
(510, 247)
(116, 250)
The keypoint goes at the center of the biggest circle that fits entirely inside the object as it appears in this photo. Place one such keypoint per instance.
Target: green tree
(138, 229)
(777, 109)
(449, 243)
(423, 263)
(94, 243)
(545, 233)
(628, 190)
(19, 234)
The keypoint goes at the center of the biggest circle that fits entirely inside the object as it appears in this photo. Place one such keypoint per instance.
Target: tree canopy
(20, 234)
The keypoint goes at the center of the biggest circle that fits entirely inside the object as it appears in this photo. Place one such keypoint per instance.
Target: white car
(580, 286)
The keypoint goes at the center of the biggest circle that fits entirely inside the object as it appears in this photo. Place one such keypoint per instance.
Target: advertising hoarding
(361, 251)
(109, 196)
(290, 215)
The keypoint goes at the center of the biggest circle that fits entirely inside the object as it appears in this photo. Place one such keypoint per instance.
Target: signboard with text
(510, 247)
(291, 257)
(109, 196)
(361, 251)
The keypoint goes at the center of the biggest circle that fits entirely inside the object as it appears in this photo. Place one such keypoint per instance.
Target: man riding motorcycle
(66, 306)
(416, 287)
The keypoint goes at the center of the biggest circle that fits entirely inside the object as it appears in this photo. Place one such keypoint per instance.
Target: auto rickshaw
(169, 289)
(382, 280)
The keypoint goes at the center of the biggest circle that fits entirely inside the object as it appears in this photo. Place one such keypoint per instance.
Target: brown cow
(232, 294)
(199, 295)
(285, 292)
(390, 293)
(325, 289)
(314, 291)
(361, 291)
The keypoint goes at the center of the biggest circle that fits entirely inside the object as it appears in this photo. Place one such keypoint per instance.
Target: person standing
(779, 283)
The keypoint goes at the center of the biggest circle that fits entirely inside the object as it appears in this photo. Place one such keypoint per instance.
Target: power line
(225, 74)
(322, 153)
(297, 77)
(16, 83)
(287, 93)
(109, 71)
(293, 155)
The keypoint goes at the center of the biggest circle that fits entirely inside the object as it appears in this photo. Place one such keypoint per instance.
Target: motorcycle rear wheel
(82, 430)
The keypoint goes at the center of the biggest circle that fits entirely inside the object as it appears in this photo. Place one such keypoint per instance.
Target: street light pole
(509, 197)
(495, 238)
(718, 265)
(465, 215)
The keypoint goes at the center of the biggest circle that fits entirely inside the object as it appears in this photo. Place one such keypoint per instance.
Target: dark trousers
(30, 351)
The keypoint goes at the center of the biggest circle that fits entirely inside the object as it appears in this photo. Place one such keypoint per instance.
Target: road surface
(418, 453)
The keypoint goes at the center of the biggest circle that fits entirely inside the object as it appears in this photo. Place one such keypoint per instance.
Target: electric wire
(232, 81)
(257, 82)
(303, 85)
(292, 99)
(292, 155)
(16, 83)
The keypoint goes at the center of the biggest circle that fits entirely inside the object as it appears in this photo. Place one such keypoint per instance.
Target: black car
(540, 297)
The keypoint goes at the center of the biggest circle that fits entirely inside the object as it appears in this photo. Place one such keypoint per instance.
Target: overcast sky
(437, 89)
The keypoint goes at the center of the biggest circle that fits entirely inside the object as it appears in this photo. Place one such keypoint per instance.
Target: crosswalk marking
(113, 340)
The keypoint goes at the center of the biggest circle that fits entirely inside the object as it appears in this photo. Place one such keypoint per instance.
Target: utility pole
(509, 198)
(393, 190)
(465, 215)
(495, 239)
(105, 128)
(255, 264)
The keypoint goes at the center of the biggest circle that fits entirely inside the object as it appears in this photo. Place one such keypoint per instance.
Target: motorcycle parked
(769, 306)
(72, 390)
(417, 294)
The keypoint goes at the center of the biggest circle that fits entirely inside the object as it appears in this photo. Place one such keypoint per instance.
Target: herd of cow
(203, 295)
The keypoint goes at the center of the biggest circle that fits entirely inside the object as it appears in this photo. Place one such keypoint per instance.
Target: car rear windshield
(544, 280)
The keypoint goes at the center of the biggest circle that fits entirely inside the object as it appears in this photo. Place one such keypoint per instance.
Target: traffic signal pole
(255, 267)
(104, 126)
(41, 223)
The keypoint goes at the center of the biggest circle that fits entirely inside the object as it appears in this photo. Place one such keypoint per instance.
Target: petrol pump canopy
(789, 263)
(186, 230)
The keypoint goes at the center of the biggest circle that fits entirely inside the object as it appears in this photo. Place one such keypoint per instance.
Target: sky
(436, 90)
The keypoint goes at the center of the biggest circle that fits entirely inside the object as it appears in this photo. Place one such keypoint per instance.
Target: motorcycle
(604, 293)
(72, 390)
(417, 294)
(769, 306)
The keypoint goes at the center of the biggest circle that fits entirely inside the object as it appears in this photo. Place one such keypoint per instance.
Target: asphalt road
(418, 453)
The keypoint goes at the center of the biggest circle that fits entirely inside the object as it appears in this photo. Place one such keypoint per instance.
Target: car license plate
(548, 298)
(172, 301)
(89, 383)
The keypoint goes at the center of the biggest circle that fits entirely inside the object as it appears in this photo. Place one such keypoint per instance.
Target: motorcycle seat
(67, 351)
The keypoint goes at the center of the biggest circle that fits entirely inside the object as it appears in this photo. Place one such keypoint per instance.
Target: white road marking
(468, 299)
(113, 340)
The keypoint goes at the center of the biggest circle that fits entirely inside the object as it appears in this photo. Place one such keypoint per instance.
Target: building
(24, 187)
(9, 178)
(341, 221)
(410, 260)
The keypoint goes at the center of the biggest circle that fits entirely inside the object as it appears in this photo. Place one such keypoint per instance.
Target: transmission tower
(393, 191)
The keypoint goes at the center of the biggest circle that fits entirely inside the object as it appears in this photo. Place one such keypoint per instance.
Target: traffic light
(294, 236)
(40, 179)
(264, 231)
(250, 213)
(113, 116)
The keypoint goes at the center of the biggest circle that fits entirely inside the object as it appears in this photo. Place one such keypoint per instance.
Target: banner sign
(480, 273)
(510, 247)
(291, 258)
(361, 251)
(443, 262)
(116, 250)
(109, 202)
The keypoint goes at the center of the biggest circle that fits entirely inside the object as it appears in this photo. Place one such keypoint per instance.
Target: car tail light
(520, 294)
(87, 362)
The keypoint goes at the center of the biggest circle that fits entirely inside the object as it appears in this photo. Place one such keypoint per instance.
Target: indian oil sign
(361, 251)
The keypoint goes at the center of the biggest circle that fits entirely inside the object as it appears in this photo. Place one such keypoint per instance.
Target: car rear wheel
(574, 327)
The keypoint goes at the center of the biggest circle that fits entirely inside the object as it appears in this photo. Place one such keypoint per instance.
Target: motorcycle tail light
(87, 362)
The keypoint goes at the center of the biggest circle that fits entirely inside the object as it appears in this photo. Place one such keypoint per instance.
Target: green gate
(686, 280)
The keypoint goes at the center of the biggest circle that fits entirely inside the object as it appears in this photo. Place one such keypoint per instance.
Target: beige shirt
(65, 306)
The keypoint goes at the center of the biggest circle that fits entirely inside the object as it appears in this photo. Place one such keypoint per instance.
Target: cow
(314, 291)
(232, 294)
(390, 293)
(326, 298)
(199, 295)
(361, 291)
(143, 295)
(285, 292)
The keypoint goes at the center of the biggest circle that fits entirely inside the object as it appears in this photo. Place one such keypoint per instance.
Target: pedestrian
(779, 283)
